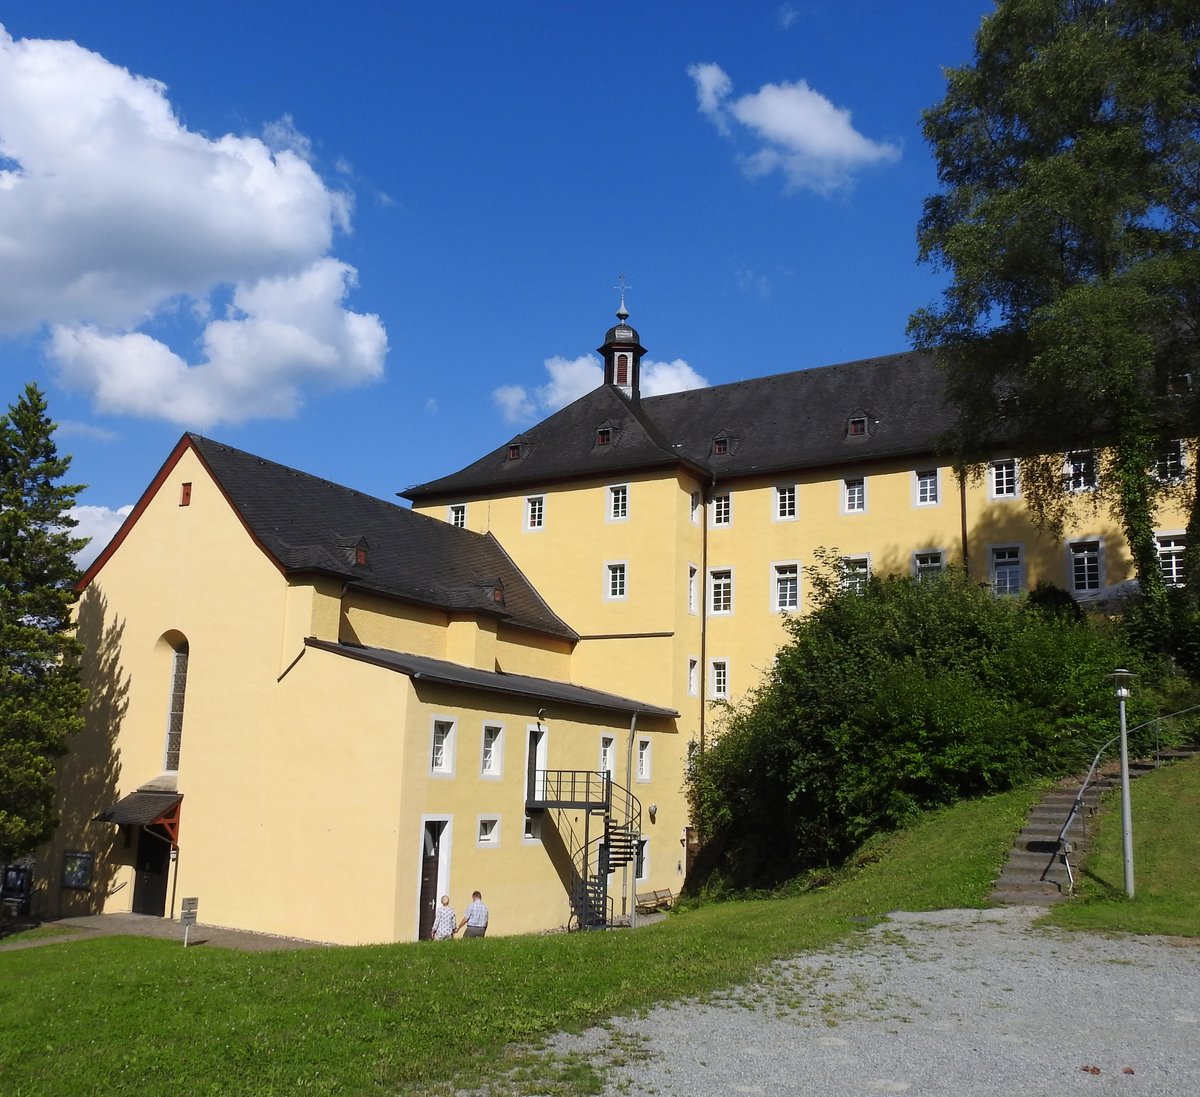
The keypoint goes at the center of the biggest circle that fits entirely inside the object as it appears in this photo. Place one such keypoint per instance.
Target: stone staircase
(1035, 873)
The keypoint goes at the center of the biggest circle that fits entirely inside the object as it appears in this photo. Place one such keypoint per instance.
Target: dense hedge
(892, 700)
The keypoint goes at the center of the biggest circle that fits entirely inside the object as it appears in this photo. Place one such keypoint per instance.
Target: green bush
(889, 701)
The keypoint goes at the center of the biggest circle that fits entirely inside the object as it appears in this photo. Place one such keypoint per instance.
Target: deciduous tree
(1069, 218)
(40, 694)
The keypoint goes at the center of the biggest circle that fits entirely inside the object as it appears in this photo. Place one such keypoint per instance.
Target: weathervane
(622, 285)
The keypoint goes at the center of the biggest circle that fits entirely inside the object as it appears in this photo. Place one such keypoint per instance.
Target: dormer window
(498, 593)
(603, 436)
(360, 555)
(720, 446)
(857, 426)
(514, 451)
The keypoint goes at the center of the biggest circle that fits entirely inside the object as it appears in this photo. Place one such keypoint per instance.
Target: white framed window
(1084, 557)
(693, 591)
(854, 495)
(928, 565)
(1006, 569)
(1079, 470)
(926, 491)
(641, 861)
(608, 754)
(785, 502)
(1002, 479)
(488, 833)
(856, 570)
(1170, 462)
(722, 510)
(174, 743)
(535, 512)
(491, 758)
(441, 756)
(643, 760)
(785, 586)
(458, 514)
(614, 581)
(618, 502)
(720, 586)
(719, 679)
(695, 513)
(1170, 557)
(693, 677)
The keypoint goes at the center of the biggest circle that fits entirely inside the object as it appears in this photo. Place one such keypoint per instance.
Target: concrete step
(1027, 896)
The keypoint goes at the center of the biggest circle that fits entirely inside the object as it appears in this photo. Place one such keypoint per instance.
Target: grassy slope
(125, 1015)
(1166, 859)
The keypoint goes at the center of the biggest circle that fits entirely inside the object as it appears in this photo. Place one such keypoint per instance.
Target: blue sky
(374, 241)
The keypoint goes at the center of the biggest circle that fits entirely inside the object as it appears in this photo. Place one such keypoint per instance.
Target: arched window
(179, 668)
(622, 369)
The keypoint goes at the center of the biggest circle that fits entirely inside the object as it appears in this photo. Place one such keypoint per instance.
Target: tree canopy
(906, 696)
(40, 694)
(1069, 216)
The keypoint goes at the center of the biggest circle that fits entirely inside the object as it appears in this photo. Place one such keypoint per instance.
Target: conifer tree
(40, 693)
(1069, 222)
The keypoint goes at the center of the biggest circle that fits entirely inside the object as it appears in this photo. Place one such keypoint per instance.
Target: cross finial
(622, 285)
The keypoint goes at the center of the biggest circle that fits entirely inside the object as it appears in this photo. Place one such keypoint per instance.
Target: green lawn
(132, 1015)
(1166, 860)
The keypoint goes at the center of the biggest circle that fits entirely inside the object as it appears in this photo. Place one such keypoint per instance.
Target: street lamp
(1121, 680)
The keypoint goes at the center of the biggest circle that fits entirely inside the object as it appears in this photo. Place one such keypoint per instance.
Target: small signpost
(187, 916)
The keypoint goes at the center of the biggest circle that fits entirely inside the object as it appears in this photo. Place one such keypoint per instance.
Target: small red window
(603, 436)
(858, 427)
(720, 445)
(514, 451)
(360, 557)
(185, 494)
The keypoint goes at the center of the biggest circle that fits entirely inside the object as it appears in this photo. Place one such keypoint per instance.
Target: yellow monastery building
(316, 711)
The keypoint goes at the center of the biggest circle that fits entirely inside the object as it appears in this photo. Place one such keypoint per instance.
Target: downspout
(962, 517)
(702, 609)
(628, 809)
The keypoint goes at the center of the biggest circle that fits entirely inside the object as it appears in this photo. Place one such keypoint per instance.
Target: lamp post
(1121, 680)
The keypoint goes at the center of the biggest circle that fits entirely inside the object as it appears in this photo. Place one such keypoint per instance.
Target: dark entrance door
(150, 878)
(430, 855)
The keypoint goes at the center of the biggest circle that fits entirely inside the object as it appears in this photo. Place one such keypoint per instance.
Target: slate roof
(306, 524)
(424, 668)
(786, 421)
(141, 808)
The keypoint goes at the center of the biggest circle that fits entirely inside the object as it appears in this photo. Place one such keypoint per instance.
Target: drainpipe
(962, 518)
(628, 807)
(702, 609)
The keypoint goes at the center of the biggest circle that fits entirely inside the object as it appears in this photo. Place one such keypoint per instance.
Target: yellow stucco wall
(653, 635)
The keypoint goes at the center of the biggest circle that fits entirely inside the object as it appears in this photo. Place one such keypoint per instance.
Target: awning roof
(141, 808)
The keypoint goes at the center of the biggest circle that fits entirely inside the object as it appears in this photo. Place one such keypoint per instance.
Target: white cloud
(750, 281)
(72, 428)
(114, 213)
(571, 378)
(787, 15)
(100, 524)
(659, 378)
(796, 129)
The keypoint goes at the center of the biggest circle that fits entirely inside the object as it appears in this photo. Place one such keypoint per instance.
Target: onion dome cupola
(622, 353)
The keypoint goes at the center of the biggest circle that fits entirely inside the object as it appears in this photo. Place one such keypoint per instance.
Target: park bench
(650, 901)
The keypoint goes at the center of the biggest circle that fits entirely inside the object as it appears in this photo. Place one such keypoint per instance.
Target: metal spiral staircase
(612, 827)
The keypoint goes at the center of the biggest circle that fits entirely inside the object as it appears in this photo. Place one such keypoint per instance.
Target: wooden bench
(650, 901)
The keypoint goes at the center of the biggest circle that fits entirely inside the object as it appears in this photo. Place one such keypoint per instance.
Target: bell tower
(622, 353)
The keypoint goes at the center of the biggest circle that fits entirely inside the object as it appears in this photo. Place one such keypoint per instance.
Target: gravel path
(961, 1003)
